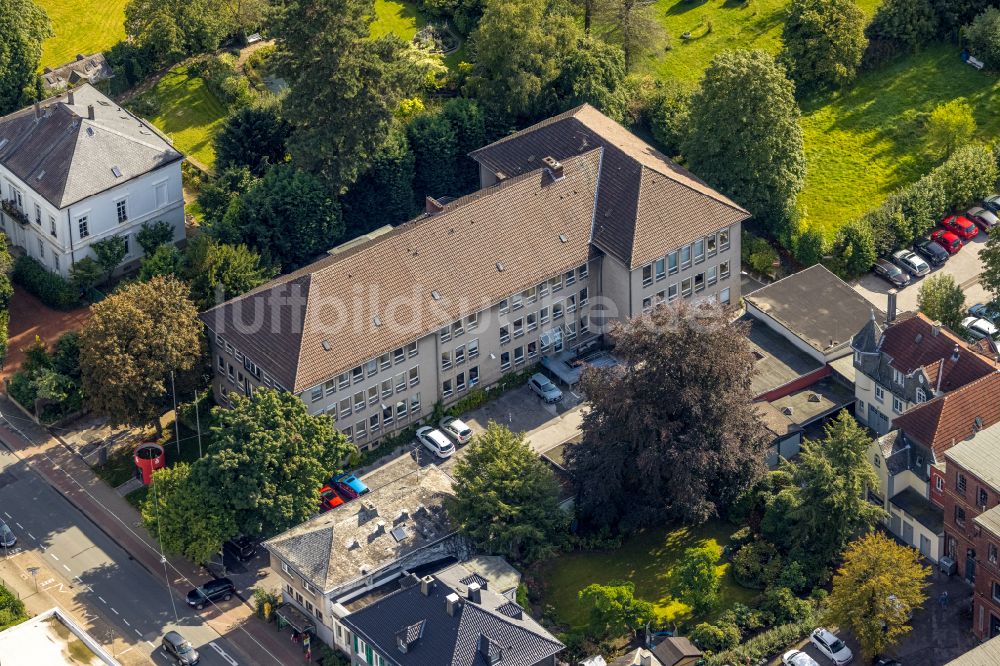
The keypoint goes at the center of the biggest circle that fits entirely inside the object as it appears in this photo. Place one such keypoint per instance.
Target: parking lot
(964, 266)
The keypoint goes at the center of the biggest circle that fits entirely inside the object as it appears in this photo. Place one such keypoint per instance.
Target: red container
(149, 457)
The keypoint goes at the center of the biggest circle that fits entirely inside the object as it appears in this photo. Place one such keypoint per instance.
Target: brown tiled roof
(646, 202)
(946, 420)
(912, 344)
(533, 227)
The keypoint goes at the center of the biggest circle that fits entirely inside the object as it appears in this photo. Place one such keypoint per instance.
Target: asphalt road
(110, 582)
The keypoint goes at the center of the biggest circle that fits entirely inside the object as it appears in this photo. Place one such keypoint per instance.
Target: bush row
(765, 644)
(51, 289)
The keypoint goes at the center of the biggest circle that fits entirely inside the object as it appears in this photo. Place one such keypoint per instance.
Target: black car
(242, 548)
(213, 590)
(931, 251)
(177, 648)
(891, 273)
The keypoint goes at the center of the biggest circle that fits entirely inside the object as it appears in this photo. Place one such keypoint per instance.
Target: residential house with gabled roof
(78, 168)
(588, 224)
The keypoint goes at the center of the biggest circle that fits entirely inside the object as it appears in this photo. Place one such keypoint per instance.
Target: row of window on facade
(685, 257)
(690, 285)
(390, 415)
(532, 320)
(83, 222)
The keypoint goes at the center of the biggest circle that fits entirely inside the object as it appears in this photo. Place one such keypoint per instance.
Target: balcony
(13, 212)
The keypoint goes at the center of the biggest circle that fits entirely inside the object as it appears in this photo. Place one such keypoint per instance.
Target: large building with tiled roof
(76, 169)
(579, 223)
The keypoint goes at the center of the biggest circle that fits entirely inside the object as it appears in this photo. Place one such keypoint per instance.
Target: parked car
(887, 661)
(797, 658)
(544, 388)
(890, 273)
(992, 203)
(949, 241)
(979, 328)
(984, 311)
(982, 218)
(831, 646)
(931, 251)
(911, 263)
(213, 590)
(460, 432)
(350, 485)
(242, 548)
(178, 648)
(960, 226)
(7, 538)
(329, 499)
(435, 441)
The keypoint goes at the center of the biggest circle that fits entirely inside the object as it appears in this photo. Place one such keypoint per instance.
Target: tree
(614, 610)
(634, 25)
(854, 247)
(744, 135)
(269, 459)
(435, 153)
(288, 216)
(152, 236)
(876, 589)
(219, 271)
(519, 46)
(171, 29)
(506, 498)
(695, 581)
(252, 137)
(469, 124)
(990, 258)
(110, 252)
(668, 110)
(594, 72)
(132, 342)
(85, 274)
(967, 176)
(221, 193)
(185, 515)
(343, 86)
(950, 125)
(905, 24)
(679, 412)
(166, 260)
(24, 26)
(243, 16)
(983, 38)
(941, 299)
(384, 193)
(823, 41)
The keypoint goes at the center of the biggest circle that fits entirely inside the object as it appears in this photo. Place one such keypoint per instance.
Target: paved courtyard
(29, 317)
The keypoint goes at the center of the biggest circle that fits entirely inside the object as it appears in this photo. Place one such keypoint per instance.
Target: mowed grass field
(402, 19)
(645, 559)
(189, 113)
(81, 26)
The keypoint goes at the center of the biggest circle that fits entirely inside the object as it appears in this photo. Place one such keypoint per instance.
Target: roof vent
(116, 172)
(90, 111)
(90, 130)
(351, 543)
(4, 142)
(813, 397)
(955, 353)
(401, 516)
(935, 327)
(41, 174)
(326, 345)
(399, 533)
(376, 320)
(787, 411)
(562, 238)
(500, 267)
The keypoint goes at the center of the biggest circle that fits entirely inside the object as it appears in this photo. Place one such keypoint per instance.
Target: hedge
(764, 644)
(51, 289)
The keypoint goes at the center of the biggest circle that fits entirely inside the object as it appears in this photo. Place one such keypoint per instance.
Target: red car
(328, 499)
(949, 241)
(961, 226)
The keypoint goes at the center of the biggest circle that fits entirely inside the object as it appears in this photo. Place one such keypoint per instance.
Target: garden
(84, 27)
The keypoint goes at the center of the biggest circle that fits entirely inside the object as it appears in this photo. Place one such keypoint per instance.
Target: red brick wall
(937, 496)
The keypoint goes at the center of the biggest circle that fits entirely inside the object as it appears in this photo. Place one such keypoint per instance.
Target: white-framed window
(446, 388)
(555, 284)
(939, 483)
(647, 304)
(445, 360)
(647, 275)
(920, 395)
(41, 249)
(386, 388)
(316, 394)
(473, 376)
(713, 244)
(897, 376)
(569, 277)
(445, 334)
(532, 321)
(519, 355)
(686, 287)
(343, 380)
(582, 271)
(671, 292)
(83, 226)
(398, 355)
(38, 215)
(121, 210)
(661, 269)
(359, 401)
(724, 270)
(372, 395)
(374, 422)
(504, 306)
(699, 251)
(460, 355)
(724, 239)
(557, 310)
(504, 334)
(516, 302)
(52, 227)
(532, 349)
(385, 361)
(457, 329)
(411, 349)
(415, 404)
(879, 393)
(473, 348)
(686, 256)
(724, 296)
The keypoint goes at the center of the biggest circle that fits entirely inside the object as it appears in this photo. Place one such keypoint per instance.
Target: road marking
(124, 652)
(115, 611)
(223, 654)
(77, 579)
(150, 645)
(126, 622)
(32, 536)
(102, 599)
(19, 526)
(6, 514)
(53, 557)
(137, 632)
(66, 568)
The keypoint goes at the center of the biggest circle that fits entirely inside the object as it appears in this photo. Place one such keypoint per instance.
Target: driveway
(964, 266)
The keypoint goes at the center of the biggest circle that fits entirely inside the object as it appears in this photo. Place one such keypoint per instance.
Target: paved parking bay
(964, 266)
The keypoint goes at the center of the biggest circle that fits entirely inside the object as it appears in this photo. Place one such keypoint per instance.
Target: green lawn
(864, 144)
(83, 26)
(645, 559)
(400, 18)
(189, 113)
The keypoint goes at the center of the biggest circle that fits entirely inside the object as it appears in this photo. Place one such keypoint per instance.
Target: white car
(979, 328)
(797, 658)
(831, 646)
(911, 262)
(435, 442)
(457, 429)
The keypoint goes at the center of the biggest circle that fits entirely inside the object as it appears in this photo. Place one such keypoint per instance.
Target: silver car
(979, 328)
(457, 429)
(7, 538)
(911, 262)
(544, 388)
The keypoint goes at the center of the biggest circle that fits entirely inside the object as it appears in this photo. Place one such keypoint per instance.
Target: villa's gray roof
(64, 156)
(451, 640)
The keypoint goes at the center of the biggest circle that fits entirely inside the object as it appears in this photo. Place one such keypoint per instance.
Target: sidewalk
(73, 479)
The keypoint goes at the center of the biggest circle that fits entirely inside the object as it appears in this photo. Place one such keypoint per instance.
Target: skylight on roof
(436, 295)
(41, 174)
(399, 533)
(90, 131)
(4, 142)
(116, 171)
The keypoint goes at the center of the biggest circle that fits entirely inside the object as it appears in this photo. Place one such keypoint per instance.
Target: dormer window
(921, 396)
(897, 377)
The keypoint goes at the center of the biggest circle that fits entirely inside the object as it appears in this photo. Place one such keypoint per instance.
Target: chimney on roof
(645, 658)
(955, 353)
(475, 596)
(452, 603)
(890, 311)
(38, 110)
(79, 56)
(426, 585)
(90, 111)
(69, 98)
(554, 167)
(432, 205)
(935, 327)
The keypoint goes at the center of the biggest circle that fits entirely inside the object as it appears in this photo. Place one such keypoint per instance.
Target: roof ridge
(102, 126)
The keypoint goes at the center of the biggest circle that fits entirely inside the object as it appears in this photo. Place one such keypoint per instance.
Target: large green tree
(469, 124)
(23, 27)
(506, 498)
(269, 458)
(171, 29)
(875, 591)
(695, 581)
(594, 72)
(671, 433)
(745, 137)
(110, 252)
(132, 342)
(185, 515)
(344, 86)
(288, 216)
(614, 610)
(252, 137)
(941, 299)
(822, 42)
(384, 193)
(435, 151)
(219, 271)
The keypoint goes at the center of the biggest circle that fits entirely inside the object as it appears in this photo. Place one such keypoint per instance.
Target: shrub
(759, 254)
(764, 644)
(899, 25)
(781, 606)
(951, 125)
(983, 37)
(740, 538)
(51, 289)
(808, 247)
(854, 248)
(666, 112)
(756, 564)
(968, 175)
(744, 617)
(264, 603)
(715, 637)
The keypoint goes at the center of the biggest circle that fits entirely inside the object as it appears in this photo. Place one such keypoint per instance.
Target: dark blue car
(349, 485)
